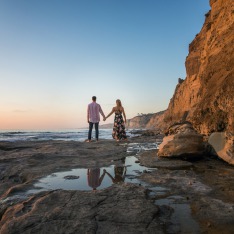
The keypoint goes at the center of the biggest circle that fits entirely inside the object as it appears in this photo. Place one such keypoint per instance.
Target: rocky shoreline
(177, 196)
(182, 187)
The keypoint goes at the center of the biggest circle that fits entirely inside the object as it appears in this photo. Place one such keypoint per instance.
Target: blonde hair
(118, 102)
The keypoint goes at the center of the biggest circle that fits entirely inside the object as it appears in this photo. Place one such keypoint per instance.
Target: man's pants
(91, 128)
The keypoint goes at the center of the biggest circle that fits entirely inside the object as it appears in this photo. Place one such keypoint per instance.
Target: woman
(119, 126)
(120, 173)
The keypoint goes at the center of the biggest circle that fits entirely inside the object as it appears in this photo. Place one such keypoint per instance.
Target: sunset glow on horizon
(56, 55)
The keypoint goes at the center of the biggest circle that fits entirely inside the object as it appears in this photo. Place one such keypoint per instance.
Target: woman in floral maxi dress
(119, 124)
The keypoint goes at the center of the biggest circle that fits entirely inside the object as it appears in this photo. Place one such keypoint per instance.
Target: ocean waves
(64, 135)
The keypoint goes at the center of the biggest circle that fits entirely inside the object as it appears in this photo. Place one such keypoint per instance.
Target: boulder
(182, 140)
(222, 143)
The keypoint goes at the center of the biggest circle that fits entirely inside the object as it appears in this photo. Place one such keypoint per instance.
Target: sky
(55, 55)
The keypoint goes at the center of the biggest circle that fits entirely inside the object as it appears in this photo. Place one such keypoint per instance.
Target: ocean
(61, 134)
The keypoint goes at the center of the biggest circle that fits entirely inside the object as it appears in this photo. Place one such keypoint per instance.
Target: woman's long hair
(118, 102)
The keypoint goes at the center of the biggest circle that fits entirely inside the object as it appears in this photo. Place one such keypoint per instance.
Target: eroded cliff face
(205, 97)
(146, 121)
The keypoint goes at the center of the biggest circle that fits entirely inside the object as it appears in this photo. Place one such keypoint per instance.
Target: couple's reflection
(95, 177)
(120, 172)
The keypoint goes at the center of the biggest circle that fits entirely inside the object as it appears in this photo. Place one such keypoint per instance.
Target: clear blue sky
(55, 55)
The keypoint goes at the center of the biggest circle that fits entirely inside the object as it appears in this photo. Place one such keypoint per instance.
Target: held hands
(104, 118)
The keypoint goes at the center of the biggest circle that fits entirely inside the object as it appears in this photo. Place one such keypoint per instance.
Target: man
(94, 178)
(93, 117)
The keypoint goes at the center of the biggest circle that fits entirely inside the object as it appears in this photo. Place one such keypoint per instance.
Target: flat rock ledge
(150, 159)
(121, 208)
(204, 187)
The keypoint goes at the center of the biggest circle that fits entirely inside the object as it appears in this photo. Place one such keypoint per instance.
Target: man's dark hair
(94, 98)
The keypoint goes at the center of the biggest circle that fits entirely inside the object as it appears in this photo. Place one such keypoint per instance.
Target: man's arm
(101, 112)
(88, 114)
(102, 177)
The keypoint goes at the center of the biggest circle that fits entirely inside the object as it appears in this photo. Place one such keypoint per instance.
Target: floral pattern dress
(119, 127)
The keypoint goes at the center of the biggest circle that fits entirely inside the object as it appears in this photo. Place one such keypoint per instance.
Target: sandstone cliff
(205, 97)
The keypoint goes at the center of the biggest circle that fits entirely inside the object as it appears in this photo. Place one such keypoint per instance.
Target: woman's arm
(113, 110)
(125, 120)
(112, 178)
(101, 178)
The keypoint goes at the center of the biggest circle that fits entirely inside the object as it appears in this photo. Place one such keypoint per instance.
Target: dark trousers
(91, 128)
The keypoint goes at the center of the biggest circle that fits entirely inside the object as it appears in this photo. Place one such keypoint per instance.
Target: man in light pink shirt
(93, 117)
(94, 178)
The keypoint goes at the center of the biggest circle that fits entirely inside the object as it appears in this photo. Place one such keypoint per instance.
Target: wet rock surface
(176, 197)
(151, 159)
(119, 209)
(206, 186)
(23, 162)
